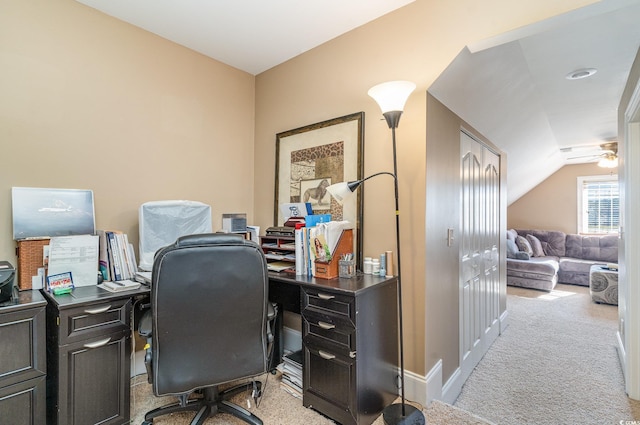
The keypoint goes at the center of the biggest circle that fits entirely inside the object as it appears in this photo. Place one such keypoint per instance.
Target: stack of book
(116, 256)
(292, 374)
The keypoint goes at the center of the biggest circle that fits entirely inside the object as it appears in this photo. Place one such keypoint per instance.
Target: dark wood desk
(350, 345)
(23, 359)
(89, 356)
(349, 339)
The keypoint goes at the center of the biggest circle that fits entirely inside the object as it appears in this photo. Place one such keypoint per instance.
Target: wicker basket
(30, 259)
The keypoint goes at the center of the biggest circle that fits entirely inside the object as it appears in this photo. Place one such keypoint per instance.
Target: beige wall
(415, 43)
(136, 118)
(553, 204)
(87, 101)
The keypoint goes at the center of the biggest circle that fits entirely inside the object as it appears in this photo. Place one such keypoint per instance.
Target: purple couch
(567, 258)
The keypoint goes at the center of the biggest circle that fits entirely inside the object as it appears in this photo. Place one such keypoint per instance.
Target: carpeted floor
(277, 407)
(556, 363)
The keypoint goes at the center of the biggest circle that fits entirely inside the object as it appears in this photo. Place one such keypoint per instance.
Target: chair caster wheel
(147, 423)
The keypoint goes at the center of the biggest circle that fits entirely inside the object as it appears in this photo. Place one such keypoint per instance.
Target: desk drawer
(338, 304)
(331, 327)
(93, 320)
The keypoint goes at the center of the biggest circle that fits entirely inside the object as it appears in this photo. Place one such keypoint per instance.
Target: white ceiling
(251, 35)
(513, 89)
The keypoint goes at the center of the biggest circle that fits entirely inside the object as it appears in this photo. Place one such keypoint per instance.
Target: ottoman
(603, 284)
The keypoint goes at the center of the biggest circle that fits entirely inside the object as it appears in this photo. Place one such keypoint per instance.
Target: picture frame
(310, 158)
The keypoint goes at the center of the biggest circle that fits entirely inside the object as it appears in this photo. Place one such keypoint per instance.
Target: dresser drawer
(336, 303)
(79, 323)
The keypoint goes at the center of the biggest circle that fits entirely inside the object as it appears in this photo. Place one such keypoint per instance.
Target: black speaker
(7, 278)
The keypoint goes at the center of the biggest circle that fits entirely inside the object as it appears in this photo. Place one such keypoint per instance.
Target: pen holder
(347, 268)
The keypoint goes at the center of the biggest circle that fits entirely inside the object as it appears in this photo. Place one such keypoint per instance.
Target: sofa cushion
(553, 242)
(512, 234)
(524, 245)
(536, 267)
(536, 245)
(594, 248)
(512, 248)
(575, 271)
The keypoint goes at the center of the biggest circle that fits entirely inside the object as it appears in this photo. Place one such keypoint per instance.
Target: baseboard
(434, 383)
(504, 321)
(415, 387)
(621, 354)
(448, 392)
(452, 388)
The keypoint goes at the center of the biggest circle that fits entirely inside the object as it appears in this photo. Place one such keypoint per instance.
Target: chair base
(214, 401)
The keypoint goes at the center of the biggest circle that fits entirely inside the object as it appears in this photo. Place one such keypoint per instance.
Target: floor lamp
(391, 97)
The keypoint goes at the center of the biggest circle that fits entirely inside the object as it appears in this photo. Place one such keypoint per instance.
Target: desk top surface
(352, 286)
(25, 299)
(92, 293)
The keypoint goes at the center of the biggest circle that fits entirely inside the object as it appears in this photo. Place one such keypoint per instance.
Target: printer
(7, 278)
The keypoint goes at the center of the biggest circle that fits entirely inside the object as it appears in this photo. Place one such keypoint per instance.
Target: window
(598, 204)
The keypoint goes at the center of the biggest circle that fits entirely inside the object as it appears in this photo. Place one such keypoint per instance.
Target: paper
(75, 254)
(332, 232)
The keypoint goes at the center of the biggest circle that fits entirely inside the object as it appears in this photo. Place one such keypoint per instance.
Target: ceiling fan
(607, 157)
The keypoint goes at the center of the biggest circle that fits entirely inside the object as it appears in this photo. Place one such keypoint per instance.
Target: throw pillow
(521, 255)
(512, 234)
(524, 245)
(536, 246)
(512, 248)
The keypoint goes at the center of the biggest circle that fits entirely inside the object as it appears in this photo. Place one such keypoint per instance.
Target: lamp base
(392, 415)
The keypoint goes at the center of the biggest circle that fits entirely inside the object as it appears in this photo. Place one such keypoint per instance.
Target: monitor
(42, 212)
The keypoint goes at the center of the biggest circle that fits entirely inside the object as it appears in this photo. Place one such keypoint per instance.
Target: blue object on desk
(312, 220)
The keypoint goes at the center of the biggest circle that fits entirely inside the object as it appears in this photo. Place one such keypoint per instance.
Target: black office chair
(208, 324)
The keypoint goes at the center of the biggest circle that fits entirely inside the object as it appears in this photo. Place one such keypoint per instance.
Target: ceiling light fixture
(579, 74)
(610, 160)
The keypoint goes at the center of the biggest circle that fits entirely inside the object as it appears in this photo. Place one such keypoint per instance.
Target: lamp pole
(391, 98)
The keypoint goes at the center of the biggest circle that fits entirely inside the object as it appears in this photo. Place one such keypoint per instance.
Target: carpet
(556, 363)
(276, 407)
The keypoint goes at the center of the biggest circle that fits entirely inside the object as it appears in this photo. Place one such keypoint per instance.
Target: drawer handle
(97, 344)
(98, 310)
(326, 296)
(325, 355)
(325, 325)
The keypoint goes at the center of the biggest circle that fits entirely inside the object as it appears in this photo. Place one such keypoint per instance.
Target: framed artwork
(310, 158)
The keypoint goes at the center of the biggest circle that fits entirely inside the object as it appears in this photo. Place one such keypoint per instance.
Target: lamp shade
(342, 190)
(392, 95)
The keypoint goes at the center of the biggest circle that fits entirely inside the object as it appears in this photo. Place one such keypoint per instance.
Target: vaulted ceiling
(515, 89)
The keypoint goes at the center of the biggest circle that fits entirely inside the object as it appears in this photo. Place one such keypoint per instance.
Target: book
(119, 286)
(278, 266)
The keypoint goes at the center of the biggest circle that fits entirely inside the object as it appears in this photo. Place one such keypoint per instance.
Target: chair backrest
(209, 298)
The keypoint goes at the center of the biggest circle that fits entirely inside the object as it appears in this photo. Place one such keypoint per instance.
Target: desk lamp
(391, 97)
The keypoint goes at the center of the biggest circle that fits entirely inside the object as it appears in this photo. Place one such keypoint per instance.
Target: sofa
(551, 257)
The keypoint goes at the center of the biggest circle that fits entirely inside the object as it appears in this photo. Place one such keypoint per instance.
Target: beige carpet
(276, 408)
(556, 363)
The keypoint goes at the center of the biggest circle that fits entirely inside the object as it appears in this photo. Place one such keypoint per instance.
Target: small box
(234, 223)
(329, 269)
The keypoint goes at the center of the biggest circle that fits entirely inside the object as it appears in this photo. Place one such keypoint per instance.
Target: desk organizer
(30, 259)
(329, 269)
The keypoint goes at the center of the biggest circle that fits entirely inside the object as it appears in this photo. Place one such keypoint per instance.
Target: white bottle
(375, 267)
(367, 266)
